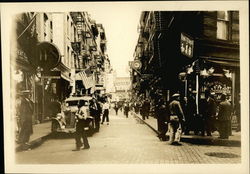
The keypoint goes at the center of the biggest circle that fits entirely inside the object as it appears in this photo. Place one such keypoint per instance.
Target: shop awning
(223, 62)
(87, 79)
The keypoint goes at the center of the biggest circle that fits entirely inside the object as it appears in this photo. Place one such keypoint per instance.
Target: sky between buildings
(121, 32)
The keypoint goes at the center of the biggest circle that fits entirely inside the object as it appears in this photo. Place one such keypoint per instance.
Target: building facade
(188, 51)
(122, 88)
(81, 47)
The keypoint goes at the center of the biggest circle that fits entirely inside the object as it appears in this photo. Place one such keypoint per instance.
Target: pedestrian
(105, 111)
(55, 107)
(210, 113)
(26, 112)
(116, 108)
(161, 114)
(145, 109)
(237, 113)
(95, 111)
(126, 109)
(176, 119)
(190, 114)
(17, 116)
(137, 107)
(81, 123)
(224, 117)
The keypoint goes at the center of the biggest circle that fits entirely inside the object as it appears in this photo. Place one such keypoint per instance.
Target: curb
(151, 127)
(52, 135)
(34, 143)
(198, 140)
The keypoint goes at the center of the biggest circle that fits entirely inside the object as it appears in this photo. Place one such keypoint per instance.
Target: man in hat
(81, 123)
(209, 113)
(161, 114)
(145, 109)
(26, 111)
(176, 119)
(95, 111)
(224, 117)
(190, 113)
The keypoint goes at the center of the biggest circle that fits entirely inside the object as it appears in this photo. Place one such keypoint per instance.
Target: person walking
(145, 109)
(161, 114)
(126, 109)
(105, 112)
(95, 111)
(81, 123)
(176, 119)
(26, 111)
(116, 108)
(224, 117)
(137, 107)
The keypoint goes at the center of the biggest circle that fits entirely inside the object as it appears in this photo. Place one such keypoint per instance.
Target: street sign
(187, 45)
(47, 56)
(136, 64)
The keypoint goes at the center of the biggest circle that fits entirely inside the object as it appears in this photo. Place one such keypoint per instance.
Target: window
(222, 25)
(67, 58)
(51, 25)
(71, 32)
(45, 20)
(67, 25)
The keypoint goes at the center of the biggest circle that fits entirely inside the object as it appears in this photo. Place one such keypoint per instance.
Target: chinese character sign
(187, 46)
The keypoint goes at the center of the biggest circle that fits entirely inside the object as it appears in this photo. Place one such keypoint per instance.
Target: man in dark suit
(95, 111)
(224, 117)
(26, 112)
(145, 109)
(209, 113)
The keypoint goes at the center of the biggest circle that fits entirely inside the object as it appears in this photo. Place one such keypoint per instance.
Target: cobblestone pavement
(125, 141)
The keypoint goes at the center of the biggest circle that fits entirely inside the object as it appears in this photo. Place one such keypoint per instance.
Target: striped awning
(86, 78)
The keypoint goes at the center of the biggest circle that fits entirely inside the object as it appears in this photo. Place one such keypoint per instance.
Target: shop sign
(51, 74)
(187, 45)
(136, 64)
(47, 56)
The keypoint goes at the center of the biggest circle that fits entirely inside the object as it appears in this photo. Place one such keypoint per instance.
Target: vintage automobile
(66, 120)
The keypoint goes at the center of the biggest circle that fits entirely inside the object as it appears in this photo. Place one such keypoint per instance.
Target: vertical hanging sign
(187, 45)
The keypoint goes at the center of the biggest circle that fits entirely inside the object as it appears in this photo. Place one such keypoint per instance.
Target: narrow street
(124, 141)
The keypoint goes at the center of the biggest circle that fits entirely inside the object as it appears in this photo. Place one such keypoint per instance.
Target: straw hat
(23, 92)
(175, 95)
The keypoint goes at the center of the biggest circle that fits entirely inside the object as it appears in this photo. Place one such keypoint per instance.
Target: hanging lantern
(204, 72)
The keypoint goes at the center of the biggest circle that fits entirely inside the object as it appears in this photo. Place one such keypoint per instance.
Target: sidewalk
(40, 133)
(234, 140)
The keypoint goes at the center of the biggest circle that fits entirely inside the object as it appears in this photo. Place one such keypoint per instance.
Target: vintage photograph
(126, 87)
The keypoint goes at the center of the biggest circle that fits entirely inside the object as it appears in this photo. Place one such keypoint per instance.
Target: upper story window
(67, 25)
(222, 25)
(46, 27)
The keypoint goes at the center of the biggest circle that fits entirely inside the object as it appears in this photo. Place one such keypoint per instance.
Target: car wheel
(55, 126)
